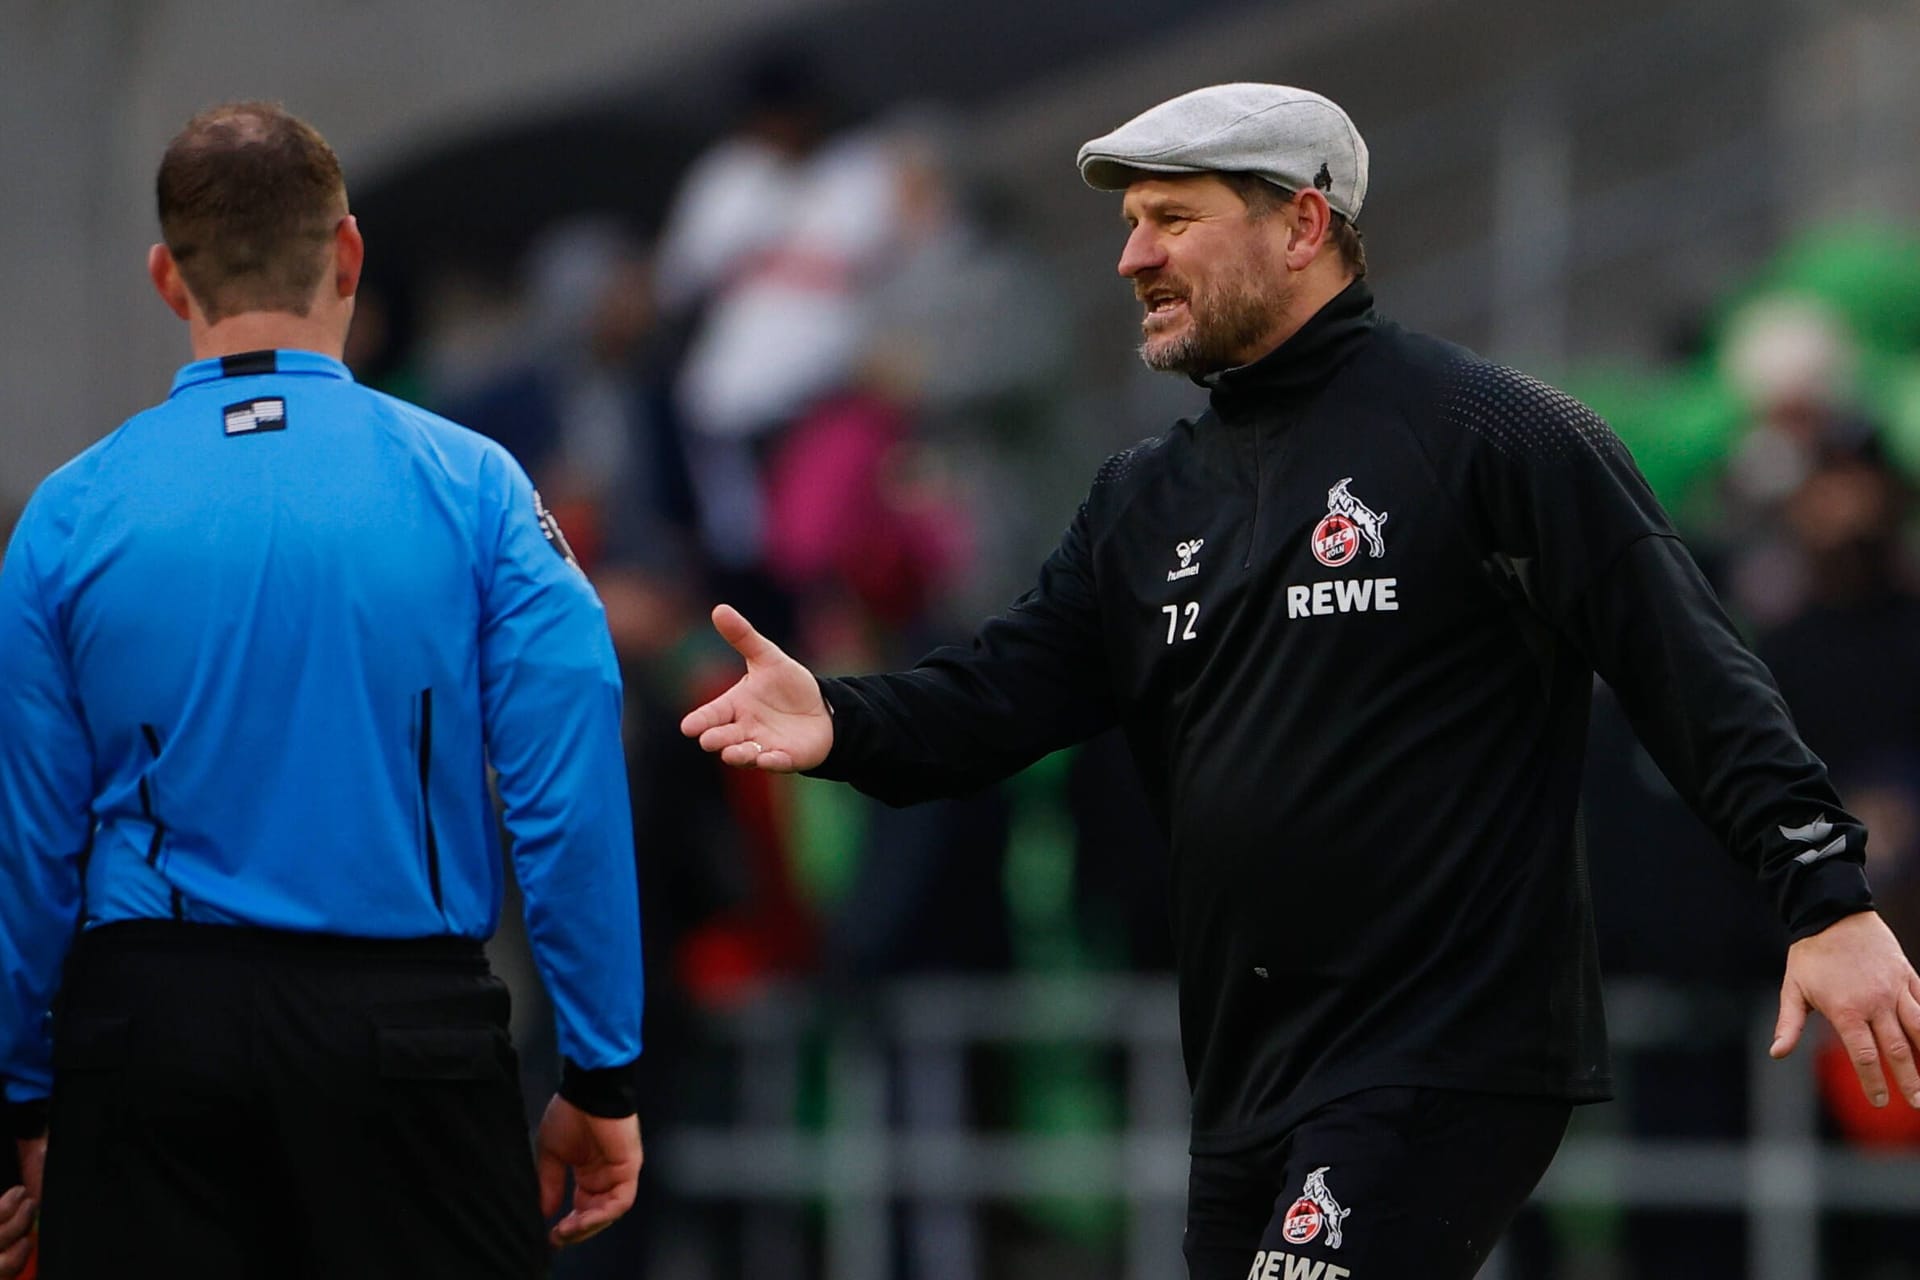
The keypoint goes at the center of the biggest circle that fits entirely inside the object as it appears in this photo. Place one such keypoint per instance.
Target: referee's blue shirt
(258, 648)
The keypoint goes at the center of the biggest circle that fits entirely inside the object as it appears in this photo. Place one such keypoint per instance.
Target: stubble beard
(1223, 324)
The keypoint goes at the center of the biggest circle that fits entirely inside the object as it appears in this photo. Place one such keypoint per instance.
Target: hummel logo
(1814, 832)
(1186, 551)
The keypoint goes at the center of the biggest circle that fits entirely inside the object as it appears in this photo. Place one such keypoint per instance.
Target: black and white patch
(250, 416)
(551, 527)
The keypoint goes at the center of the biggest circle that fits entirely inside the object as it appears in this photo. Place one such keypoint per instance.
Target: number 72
(1174, 629)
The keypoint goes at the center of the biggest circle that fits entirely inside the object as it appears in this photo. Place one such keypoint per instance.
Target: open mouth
(1162, 306)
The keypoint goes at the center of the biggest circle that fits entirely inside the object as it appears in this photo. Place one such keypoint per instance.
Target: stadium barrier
(897, 1089)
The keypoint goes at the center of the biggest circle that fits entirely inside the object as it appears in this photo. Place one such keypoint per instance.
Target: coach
(258, 649)
(1349, 620)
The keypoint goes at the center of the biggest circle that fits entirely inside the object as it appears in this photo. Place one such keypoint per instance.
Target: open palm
(773, 717)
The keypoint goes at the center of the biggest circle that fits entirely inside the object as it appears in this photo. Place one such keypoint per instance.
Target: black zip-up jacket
(1349, 619)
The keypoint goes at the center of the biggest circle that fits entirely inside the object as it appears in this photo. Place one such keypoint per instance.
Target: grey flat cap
(1293, 138)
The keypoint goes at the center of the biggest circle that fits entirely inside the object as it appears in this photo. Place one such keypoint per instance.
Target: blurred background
(800, 304)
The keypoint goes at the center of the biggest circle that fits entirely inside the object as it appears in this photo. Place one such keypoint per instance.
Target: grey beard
(1215, 340)
(1184, 356)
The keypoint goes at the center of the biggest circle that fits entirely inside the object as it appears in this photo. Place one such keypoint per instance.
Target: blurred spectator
(583, 408)
(1794, 365)
(787, 327)
(730, 204)
(727, 224)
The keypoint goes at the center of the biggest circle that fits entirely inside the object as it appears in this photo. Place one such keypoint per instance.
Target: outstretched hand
(1854, 973)
(773, 717)
(605, 1157)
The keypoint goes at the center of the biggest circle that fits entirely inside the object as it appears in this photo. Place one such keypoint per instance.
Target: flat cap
(1294, 138)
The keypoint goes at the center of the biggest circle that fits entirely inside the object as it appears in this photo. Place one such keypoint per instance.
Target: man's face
(1206, 271)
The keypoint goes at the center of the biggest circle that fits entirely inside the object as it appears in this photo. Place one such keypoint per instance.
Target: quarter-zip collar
(1301, 365)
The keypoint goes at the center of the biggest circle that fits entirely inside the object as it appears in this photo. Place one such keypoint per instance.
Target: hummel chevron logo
(1814, 832)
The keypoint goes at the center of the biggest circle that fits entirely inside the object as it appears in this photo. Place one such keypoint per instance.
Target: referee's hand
(16, 1228)
(774, 717)
(1854, 972)
(604, 1156)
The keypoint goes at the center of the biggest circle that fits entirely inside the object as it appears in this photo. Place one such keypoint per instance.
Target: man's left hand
(16, 1231)
(1854, 973)
(605, 1156)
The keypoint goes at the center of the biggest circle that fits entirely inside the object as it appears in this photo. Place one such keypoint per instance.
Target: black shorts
(1384, 1184)
(235, 1103)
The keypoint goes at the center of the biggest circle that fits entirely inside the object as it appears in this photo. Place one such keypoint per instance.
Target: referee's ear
(349, 256)
(167, 282)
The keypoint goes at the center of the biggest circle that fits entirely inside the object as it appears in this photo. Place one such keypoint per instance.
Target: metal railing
(897, 1094)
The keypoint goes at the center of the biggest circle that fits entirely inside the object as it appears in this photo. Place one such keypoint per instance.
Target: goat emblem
(1337, 538)
(1314, 1211)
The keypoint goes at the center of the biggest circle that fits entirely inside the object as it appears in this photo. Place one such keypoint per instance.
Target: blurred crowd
(821, 389)
(814, 390)
(1782, 435)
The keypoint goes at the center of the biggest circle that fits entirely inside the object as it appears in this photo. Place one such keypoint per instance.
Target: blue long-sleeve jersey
(258, 647)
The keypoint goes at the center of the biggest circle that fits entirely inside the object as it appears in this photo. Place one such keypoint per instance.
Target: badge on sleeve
(551, 528)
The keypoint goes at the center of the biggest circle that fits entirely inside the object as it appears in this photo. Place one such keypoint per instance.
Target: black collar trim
(245, 364)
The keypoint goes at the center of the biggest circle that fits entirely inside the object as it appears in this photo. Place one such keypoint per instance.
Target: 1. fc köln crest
(1314, 1211)
(1349, 521)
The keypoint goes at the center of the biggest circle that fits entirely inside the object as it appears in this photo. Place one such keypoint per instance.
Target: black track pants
(1384, 1184)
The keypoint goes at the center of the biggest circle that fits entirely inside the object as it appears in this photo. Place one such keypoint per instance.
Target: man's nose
(1143, 252)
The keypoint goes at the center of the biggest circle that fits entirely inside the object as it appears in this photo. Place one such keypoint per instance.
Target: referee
(259, 649)
(1349, 619)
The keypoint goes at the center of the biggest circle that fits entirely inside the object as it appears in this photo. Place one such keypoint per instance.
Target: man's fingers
(583, 1224)
(1793, 1020)
(738, 632)
(1857, 1036)
(708, 716)
(1907, 1030)
(1896, 1055)
(594, 1211)
(722, 736)
(13, 1259)
(16, 1219)
(553, 1182)
(753, 754)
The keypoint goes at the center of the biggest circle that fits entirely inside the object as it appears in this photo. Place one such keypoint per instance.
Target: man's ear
(167, 281)
(349, 256)
(1309, 221)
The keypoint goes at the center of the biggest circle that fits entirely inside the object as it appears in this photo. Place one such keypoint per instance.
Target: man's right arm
(1034, 679)
(46, 791)
(551, 702)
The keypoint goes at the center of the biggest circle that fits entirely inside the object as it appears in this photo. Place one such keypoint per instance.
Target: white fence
(925, 1159)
